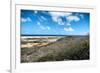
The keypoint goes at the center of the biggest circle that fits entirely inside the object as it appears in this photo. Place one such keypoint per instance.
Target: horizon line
(49, 35)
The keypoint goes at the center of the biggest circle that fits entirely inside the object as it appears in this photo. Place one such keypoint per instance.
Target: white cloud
(68, 24)
(81, 15)
(73, 18)
(85, 33)
(43, 18)
(43, 27)
(40, 19)
(48, 28)
(28, 19)
(38, 23)
(69, 29)
(60, 21)
(56, 16)
(35, 12)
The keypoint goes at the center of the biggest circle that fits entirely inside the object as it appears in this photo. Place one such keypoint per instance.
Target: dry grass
(67, 48)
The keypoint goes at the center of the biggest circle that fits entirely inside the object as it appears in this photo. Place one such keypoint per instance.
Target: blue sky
(35, 22)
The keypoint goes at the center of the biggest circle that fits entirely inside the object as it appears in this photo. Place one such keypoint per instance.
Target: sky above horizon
(37, 22)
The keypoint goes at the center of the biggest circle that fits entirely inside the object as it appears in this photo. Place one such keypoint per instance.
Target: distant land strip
(49, 35)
